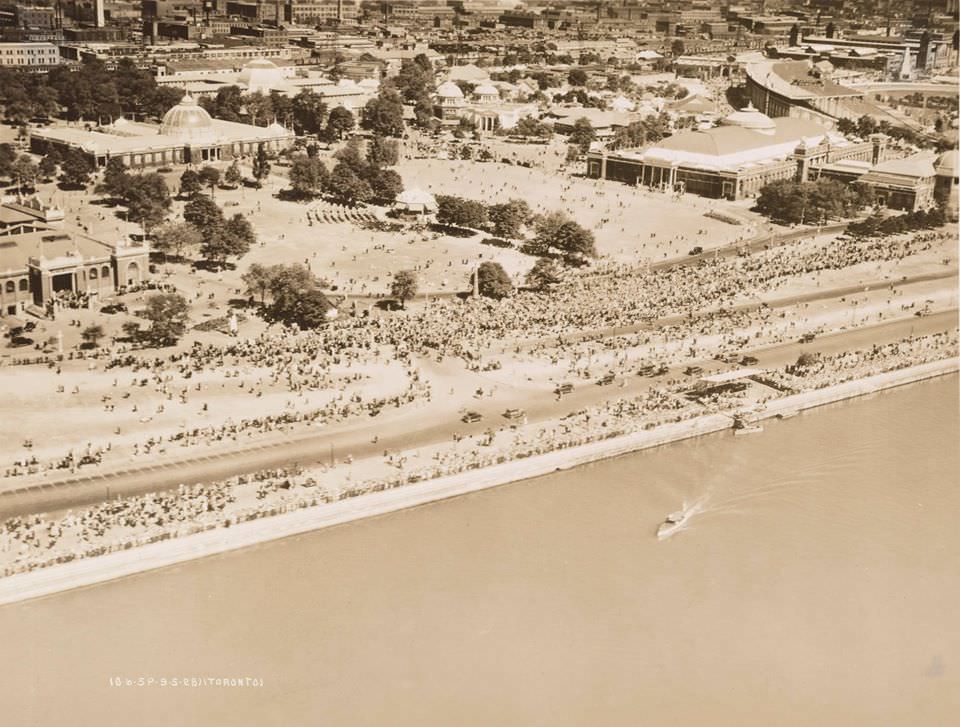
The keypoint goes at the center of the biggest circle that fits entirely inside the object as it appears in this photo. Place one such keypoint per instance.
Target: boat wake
(677, 521)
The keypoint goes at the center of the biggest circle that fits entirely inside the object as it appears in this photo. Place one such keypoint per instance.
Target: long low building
(734, 160)
(186, 135)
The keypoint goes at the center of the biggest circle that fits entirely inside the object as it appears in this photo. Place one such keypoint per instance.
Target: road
(410, 429)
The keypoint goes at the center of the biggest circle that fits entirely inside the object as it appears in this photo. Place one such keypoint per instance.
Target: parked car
(749, 361)
(693, 370)
(471, 416)
(696, 251)
(606, 380)
(514, 414)
(563, 389)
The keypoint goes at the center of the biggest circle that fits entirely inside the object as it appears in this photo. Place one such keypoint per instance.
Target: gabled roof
(917, 165)
(724, 140)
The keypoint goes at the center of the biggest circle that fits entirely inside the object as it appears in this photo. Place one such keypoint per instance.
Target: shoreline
(111, 566)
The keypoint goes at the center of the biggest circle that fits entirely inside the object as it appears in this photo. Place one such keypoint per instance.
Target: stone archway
(133, 273)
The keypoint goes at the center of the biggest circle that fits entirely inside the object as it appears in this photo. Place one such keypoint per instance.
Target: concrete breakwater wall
(75, 574)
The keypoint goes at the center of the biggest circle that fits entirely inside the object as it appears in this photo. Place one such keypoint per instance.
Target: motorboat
(674, 522)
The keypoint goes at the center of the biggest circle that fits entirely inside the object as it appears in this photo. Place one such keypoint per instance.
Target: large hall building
(734, 160)
(187, 134)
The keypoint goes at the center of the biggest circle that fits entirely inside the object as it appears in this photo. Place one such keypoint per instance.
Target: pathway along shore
(311, 448)
(88, 572)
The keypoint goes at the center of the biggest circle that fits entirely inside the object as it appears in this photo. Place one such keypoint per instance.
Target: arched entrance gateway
(133, 273)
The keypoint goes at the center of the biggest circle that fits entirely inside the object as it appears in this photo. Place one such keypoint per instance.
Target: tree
(383, 115)
(543, 274)
(811, 202)
(7, 156)
(415, 79)
(339, 123)
(91, 335)
(241, 234)
(308, 175)
(168, 314)
(25, 171)
(557, 233)
(226, 105)
(309, 112)
(461, 212)
(423, 112)
(147, 199)
(583, 134)
(404, 286)
(190, 183)
(76, 169)
(295, 294)
(257, 279)
(210, 177)
(529, 126)
(115, 179)
(383, 152)
(231, 239)
(574, 241)
(175, 237)
(261, 165)
(577, 77)
(347, 187)
(48, 167)
(493, 281)
(232, 177)
(386, 185)
(509, 218)
(259, 107)
(846, 126)
(677, 48)
(203, 213)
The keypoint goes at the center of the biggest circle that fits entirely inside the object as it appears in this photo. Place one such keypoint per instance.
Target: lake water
(820, 586)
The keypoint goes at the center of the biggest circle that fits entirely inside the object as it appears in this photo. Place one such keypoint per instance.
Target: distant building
(29, 55)
(904, 184)
(948, 180)
(186, 135)
(734, 160)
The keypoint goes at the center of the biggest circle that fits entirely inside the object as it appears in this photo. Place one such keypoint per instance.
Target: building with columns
(734, 160)
(38, 266)
(187, 134)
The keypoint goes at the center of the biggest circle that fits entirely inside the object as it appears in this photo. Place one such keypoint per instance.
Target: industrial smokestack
(100, 20)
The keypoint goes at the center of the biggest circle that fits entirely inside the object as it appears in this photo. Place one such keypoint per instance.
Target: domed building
(187, 134)
(189, 121)
(750, 118)
(449, 102)
(261, 75)
(485, 93)
(947, 179)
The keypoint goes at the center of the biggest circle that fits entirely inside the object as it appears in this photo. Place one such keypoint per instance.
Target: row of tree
(879, 224)
(556, 234)
(490, 279)
(359, 176)
(812, 202)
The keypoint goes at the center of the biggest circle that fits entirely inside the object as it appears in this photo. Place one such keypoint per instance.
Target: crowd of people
(592, 323)
(36, 541)
(810, 373)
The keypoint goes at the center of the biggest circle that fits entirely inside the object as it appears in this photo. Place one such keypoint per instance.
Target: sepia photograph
(479, 363)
